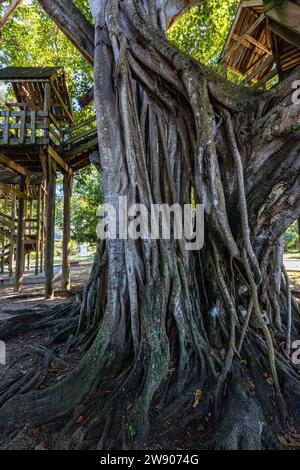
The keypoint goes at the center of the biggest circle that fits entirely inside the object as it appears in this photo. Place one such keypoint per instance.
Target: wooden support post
(47, 92)
(12, 236)
(29, 233)
(19, 277)
(3, 238)
(298, 221)
(66, 284)
(38, 230)
(42, 242)
(50, 228)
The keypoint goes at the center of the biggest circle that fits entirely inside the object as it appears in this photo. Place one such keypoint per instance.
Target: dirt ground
(23, 351)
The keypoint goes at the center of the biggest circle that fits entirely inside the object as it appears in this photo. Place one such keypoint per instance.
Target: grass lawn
(76, 258)
(290, 255)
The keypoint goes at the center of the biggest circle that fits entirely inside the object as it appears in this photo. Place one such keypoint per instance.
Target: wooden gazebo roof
(263, 42)
(28, 85)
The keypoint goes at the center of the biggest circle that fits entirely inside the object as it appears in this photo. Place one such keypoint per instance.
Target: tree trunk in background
(173, 335)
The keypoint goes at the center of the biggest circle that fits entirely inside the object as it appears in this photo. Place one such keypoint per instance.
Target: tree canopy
(31, 38)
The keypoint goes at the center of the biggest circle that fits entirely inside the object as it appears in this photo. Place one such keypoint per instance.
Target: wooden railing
(24, 127)
(79, 134)
(7, 223)
(40, 128)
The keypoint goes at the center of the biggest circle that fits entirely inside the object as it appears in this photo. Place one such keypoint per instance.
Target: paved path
(292, 264)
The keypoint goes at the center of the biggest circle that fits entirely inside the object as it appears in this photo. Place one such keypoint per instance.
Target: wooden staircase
(7, 226)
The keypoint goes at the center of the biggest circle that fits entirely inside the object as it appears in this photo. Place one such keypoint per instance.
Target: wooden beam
(50, 229)
(231, 50)
(66, 281)
(19, 271)
(38, 231)
(9, 12)
(12, 236)
(64, 105)
(264, 64)
(43, 212)
(13, 166)
(246, 44)
(63, 165)
(258, 44)
(269, 76)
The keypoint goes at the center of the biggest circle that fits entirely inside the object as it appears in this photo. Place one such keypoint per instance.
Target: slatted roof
(262, 42)
(31, 73)
(29, 89)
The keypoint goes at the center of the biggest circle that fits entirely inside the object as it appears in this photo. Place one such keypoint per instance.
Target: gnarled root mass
(176, 338)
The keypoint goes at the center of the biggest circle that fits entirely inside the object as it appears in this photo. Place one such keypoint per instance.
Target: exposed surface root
(243, 422)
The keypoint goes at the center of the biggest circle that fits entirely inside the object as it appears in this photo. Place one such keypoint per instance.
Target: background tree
(86, 198)
(175, 336)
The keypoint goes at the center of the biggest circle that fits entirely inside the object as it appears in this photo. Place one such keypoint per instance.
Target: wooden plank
(40, 114)
(22, 127)
(258, 44)
(58, 95)
(266, 78)
(81, 148)
(81, 124)
(264, 64)
(32, 127)
(27, 141)
(6, 128)
(63, 165)
(246, 43)
(83, 135)
(13, 166)
(256, 23)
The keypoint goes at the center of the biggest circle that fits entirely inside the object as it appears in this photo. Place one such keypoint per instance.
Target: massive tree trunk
(174, 336)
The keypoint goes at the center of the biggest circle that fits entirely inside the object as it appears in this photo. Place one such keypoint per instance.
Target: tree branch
(73, 24)
(173, 9)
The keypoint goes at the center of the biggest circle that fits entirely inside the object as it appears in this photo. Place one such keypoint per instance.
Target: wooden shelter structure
(264, 41)
(37, 139)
